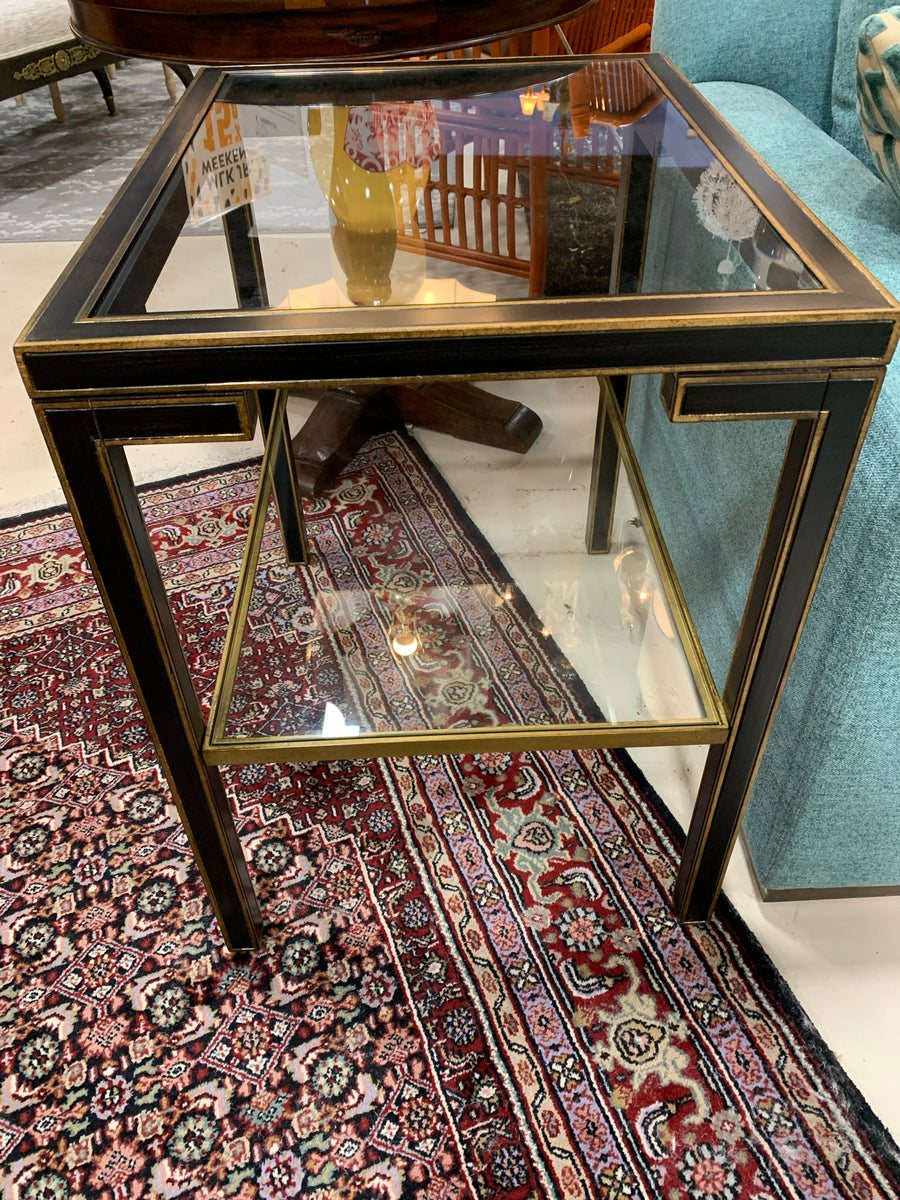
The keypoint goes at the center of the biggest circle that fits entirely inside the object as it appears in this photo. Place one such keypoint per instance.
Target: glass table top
(533, 179)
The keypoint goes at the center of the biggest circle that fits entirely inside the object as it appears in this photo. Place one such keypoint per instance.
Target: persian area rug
(471, 987)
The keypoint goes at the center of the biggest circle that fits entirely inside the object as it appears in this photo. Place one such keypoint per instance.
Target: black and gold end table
(226, 275)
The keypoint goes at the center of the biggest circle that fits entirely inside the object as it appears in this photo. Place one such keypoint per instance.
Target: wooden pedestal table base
(345, 418)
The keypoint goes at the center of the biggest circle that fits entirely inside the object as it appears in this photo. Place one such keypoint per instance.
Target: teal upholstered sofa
(825, 810)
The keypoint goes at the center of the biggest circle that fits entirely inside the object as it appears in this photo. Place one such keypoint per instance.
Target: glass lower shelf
(448, 605)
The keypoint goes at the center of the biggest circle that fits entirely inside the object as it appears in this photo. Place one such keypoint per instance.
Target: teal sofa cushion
(878, 88)
(788, 48)
(834, 743)
(711, 487)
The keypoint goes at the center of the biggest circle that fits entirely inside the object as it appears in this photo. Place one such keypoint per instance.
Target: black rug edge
(854, 1104)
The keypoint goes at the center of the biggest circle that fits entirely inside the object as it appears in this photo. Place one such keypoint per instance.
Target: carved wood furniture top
(284, 32)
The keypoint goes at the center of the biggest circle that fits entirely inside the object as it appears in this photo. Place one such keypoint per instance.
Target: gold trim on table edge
(71, 398)
(701, 675)
(483, 740)
(688, 379)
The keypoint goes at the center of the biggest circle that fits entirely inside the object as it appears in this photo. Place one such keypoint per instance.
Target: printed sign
(219, 172)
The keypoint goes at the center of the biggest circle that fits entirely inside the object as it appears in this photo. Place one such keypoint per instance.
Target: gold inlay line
(707, 691)
(228, 667)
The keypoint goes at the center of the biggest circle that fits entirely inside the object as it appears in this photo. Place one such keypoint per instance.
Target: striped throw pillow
(878, 91)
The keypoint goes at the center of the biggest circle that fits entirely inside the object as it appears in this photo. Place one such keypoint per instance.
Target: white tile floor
(841, 957)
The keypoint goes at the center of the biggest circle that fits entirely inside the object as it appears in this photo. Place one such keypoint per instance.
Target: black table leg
(105, 507)
(817, 469)
(102, 76)
(285, 482)
(605, 468)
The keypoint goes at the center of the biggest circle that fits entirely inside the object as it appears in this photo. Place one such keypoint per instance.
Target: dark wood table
(108, 361)
(246, 32)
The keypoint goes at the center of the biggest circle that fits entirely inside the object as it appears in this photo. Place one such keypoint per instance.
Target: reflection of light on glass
(403, 635)
(632, 565)
(530, 99)
(404, 641)
(661, 613)
(334, 723)
(430, 291)
(559, 613)
(489, 596)
(666, 687)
